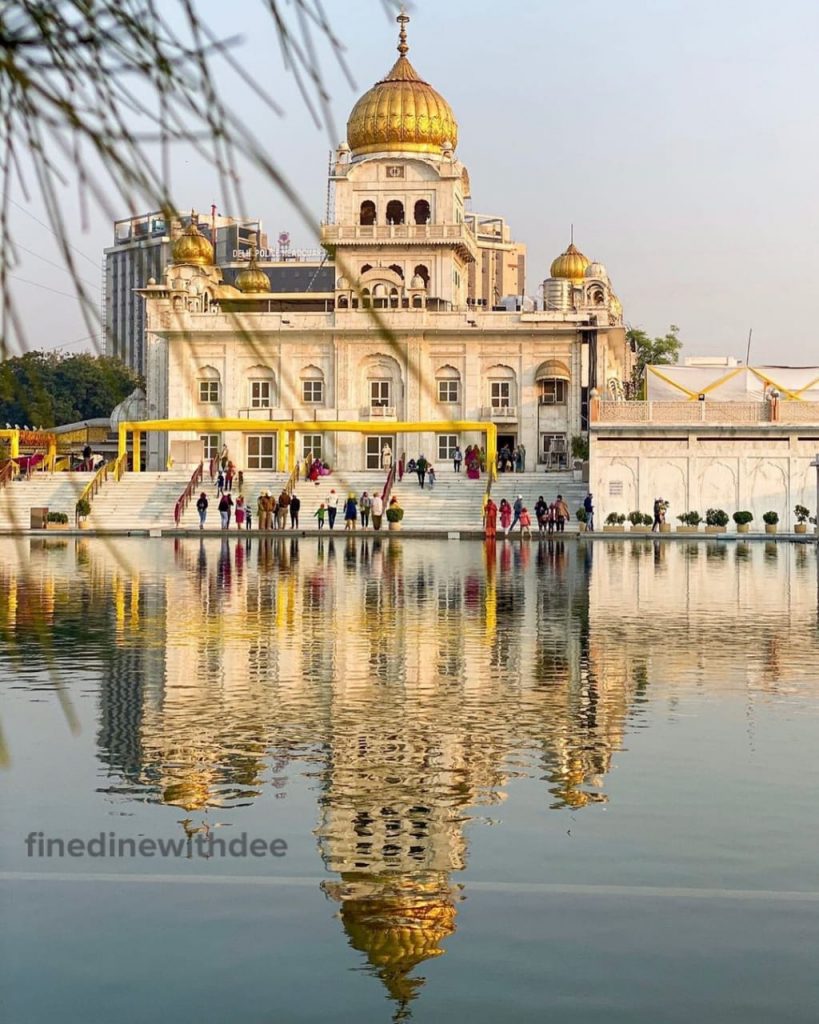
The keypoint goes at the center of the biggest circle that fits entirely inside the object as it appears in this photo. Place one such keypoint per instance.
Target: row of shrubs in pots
(715, 520)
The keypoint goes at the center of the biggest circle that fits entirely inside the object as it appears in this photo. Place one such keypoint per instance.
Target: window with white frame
(312, 391)
(447, 443)
(261, 451)
(449, 390)
(379, 393)
(261, 394)
(210, 446)
(209, 392)
(311, 446)
(500, 394)
(553, 391)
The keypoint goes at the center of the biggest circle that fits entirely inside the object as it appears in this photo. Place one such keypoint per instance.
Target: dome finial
(402, 20)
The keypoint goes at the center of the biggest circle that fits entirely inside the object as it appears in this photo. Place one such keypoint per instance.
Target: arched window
(395, 212)
(417, 302)
(397, 270)
(502, 391)
(552, 379)
(393, 298)
(380, 296)
(209, 385)
(365, 298)
(312, 385)
(365, 268)
(343, 302)
(367, 215)
(422, 272)
(261, 387)
(448, 381)
(421, 211)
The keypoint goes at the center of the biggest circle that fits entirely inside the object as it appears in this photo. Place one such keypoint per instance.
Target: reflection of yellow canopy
(552, 368)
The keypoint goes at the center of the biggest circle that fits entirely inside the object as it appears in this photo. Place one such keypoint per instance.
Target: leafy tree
(664, 351)
(45, 389)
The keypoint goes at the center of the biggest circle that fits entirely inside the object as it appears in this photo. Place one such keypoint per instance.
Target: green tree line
(45, 389)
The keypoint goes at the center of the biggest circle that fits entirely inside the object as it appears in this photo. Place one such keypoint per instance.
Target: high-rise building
(141, 251)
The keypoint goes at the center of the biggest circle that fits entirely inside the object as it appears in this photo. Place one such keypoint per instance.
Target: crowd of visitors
(551, 517)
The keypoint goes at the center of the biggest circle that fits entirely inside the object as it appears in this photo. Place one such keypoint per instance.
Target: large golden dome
(402, 113)
(570, 265)
(192, 248)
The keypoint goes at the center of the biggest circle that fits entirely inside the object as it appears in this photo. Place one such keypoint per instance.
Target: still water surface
(552, 781)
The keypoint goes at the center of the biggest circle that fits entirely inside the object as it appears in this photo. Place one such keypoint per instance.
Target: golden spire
(402, 113)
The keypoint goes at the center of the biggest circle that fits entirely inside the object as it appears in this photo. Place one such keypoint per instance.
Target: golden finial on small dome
(192, 248)
(402, 113)
(570, 265)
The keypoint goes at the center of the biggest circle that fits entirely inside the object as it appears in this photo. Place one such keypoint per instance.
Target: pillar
(137, 450)
(15, 444)
(291, 457)
(281, 457)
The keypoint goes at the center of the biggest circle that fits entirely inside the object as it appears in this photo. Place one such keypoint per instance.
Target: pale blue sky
(679, 136)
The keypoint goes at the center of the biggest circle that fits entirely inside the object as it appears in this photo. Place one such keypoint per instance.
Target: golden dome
(402, 113)
(570, 265)
(192, 248)
(251, 278)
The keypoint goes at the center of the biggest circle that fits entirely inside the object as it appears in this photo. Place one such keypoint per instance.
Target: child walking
(320, 513)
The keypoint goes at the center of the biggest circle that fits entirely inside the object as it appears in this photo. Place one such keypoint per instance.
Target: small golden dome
(570, 265)
(251, 278)
(192, 248)
(402, 113)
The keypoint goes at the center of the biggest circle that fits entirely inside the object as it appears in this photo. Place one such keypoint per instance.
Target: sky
(679, 137)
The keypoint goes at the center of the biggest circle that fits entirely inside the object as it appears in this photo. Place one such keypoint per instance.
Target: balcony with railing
(406, 234)
(499, 413)
(378, 412)
(682, 413)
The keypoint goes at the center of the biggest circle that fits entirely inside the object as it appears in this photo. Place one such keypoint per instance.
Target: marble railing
(684, 412)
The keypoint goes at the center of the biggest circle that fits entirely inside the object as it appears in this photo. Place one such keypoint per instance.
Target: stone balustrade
(728, 413)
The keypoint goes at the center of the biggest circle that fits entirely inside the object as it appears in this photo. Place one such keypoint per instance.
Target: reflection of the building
(413, 679)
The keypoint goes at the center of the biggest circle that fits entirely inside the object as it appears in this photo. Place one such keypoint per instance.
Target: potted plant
(638, 522)
(614, 522)
(82, 510)
(580, 455)
(715, 520)
(394, 516)
(743, 521)
(802, 516)
(770, 519)
(56, 521)
(690, 522)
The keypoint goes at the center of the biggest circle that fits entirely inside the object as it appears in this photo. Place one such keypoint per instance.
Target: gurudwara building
(427, 322)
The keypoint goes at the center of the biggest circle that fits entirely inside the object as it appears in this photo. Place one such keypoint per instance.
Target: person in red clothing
(490, 519)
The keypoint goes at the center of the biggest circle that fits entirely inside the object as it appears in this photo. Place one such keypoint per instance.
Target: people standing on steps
(522, 455)
(525, 523)
(588, 507)
(431, 477)
(295, 506)
(364, 505)
(332, 507)
(541, 509)
(457, 459)
(551, 518)
(517, 508)
(230, 472)
(281, 510)
(350, 512)
(220, 483)
(239, 512)
(490, 519)
(561, 514)
(386, 461)
(319, 514)
(225, 505)
(421, 469)
(505, 516)
(248, 517)
(377, 510)
(401, 463)
(263, 510)
(202, 509)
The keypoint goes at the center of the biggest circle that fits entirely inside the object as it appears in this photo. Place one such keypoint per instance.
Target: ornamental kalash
(428, 323)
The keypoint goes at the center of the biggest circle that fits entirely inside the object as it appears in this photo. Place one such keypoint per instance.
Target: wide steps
(58, 492)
